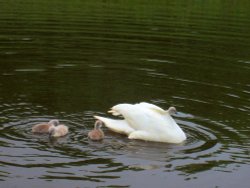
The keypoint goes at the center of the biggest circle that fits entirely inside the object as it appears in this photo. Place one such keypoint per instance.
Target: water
(73, 60)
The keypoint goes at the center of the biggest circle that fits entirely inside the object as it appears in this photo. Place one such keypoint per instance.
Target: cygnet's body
(58, 131)
(96, 134)
(44, 127)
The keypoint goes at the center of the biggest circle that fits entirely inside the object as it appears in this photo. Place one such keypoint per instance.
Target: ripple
(65, 65)
(30, 70)
(75, 154)
(159, 61)
(201, 141)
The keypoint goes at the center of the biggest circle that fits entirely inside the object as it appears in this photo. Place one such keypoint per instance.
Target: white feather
(145, 121)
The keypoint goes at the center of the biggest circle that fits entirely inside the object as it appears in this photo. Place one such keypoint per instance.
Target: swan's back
(151, 107)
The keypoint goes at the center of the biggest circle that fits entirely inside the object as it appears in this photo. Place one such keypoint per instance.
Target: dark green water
(72, 60)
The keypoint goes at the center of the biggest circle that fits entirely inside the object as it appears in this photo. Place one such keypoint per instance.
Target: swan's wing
(151, 107)
(118, 126)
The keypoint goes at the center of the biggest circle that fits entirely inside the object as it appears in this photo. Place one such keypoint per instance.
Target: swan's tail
(118, 126)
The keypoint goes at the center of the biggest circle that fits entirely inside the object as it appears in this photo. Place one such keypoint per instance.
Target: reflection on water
(73, 60)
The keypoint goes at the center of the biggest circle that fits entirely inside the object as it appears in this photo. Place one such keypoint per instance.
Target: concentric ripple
(74, 155)
(17, 136)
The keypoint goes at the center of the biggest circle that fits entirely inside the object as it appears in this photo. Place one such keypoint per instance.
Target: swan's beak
(113, 112)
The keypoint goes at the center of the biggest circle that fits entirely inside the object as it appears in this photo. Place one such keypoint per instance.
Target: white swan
(145, 121)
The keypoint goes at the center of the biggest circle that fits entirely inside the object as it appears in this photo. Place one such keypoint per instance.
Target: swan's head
(98, 124)
(121, 109)
(172, 110)
(54, 122)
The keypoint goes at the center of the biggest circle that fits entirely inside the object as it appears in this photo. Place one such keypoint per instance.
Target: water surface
(73, 60)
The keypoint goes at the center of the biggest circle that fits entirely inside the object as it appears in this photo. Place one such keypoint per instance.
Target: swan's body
(44, 127)
(96, 134)
(145, 121)
(58, 131)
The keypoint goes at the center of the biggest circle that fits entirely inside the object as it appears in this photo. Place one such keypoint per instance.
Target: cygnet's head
(52, 131)
(172, 110)
(54, 122)
(98, 124)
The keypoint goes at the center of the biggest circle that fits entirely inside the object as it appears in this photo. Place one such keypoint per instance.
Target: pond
(72, 60)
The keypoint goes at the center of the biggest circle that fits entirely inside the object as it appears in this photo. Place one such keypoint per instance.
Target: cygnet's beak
(50, 134)
(177, 113)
